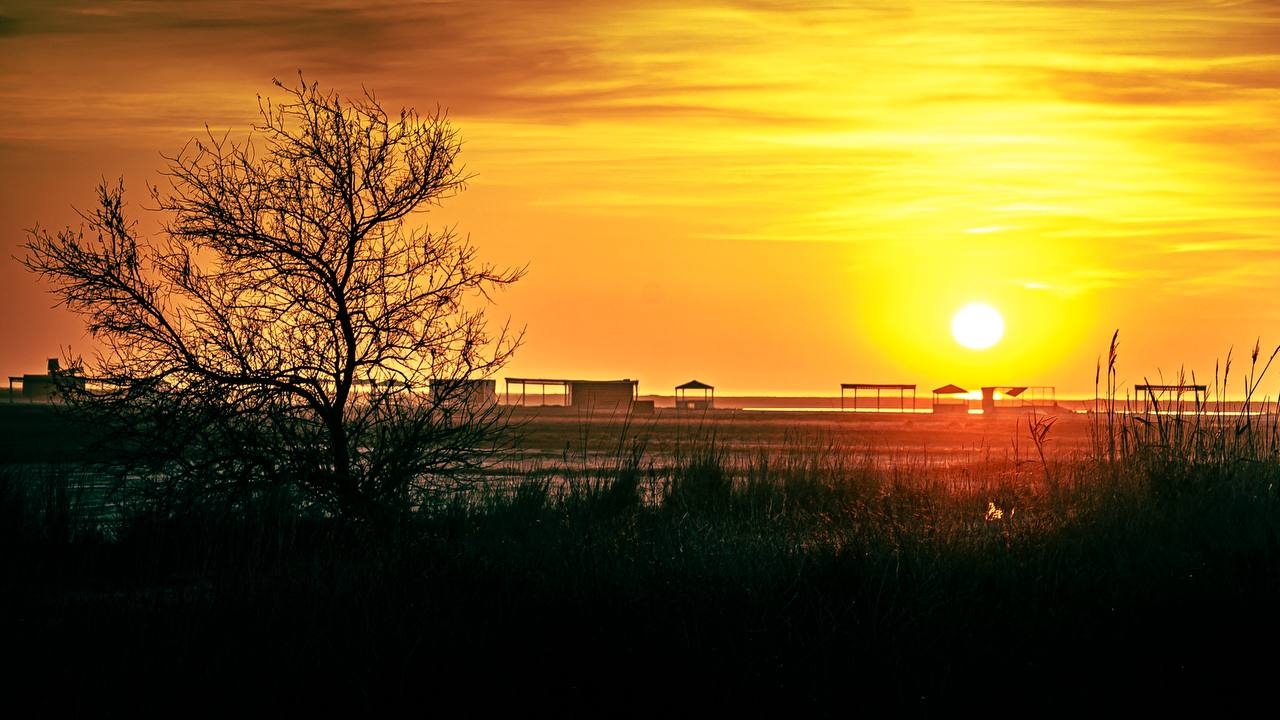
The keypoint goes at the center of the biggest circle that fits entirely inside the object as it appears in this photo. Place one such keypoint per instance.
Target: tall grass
(47, 506)
(1214, 430)
(817, 575)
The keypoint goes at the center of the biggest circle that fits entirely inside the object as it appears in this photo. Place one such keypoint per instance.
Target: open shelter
(879, 391)
(591, 395)
(1169, 397)
(1017, 397)
(950, 399)
(707, 400)
(559, 396)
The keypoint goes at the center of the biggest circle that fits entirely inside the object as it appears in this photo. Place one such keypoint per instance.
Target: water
(873, 411)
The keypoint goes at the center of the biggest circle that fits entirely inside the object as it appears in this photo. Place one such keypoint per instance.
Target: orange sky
(770, 196)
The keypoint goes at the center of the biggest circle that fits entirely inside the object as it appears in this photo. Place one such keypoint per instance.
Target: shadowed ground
(710, 577)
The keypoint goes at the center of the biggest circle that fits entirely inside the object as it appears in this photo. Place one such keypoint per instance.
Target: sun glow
(977, 326)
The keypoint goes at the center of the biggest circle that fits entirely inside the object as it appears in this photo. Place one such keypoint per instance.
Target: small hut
(706, 401)
(950, 399)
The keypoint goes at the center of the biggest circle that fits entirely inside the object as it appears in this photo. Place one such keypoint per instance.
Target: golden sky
(770, 196)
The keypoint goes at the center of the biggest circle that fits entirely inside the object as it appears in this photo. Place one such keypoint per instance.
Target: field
(819, 564)
(892, 437)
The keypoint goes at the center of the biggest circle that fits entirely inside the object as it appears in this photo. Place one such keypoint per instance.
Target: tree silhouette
(286, 325)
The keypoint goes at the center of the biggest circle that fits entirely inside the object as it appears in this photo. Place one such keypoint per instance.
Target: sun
(977, 326)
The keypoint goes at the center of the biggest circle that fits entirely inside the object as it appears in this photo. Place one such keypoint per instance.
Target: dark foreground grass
(812, 581)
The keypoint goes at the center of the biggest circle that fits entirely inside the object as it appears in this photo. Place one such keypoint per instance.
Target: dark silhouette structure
(706, 402)
(1017, 397)
(559, 397)
(1170, 396)
(950, 399)
(284, 328)
(605, 396)
(54, 384)
(878, 389)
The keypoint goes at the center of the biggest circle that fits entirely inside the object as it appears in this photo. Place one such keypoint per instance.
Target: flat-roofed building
(878, 391)
(608, 396)
(595, 396)
(47, 387)
(1174, 397)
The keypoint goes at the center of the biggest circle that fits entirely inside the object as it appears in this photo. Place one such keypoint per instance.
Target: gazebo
(950, 399)
(706, 402)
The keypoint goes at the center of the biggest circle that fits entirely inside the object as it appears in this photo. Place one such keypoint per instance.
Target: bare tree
(286, 324)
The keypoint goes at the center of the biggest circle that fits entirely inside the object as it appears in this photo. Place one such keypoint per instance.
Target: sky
(772, 196)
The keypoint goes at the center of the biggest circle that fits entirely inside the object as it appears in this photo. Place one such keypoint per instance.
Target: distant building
(642, 407)
(950, 399)
(1164, 398)
(1018, 398)
(705, 401)
(47, 387)
(591, 396)
(602, 396)
(995, 399)
(879, 390)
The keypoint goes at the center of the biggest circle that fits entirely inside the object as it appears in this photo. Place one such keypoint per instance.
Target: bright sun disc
(977, 326)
